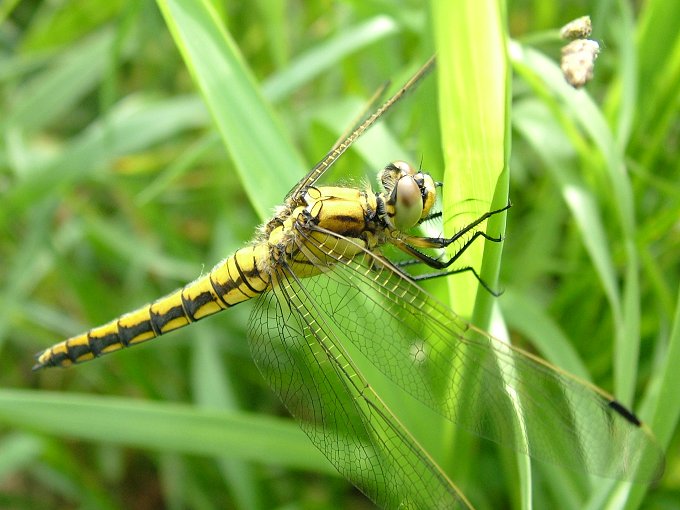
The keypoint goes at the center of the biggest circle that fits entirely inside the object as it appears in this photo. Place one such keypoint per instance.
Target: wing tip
(625, 412)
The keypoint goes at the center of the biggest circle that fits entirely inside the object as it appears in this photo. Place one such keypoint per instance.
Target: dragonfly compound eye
(404, 167)
(390, 175)
(409, 194)
(408, 207)
(424, 181)
(428, 189)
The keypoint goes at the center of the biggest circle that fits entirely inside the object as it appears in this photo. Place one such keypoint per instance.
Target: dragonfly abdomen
(232, 281)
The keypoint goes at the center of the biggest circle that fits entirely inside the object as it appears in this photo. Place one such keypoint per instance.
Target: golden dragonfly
(326, 294)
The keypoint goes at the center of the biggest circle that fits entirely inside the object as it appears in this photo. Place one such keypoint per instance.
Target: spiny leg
(410, 244)
(437, 262)
(443, 242)
(466, 269)
(402, 264)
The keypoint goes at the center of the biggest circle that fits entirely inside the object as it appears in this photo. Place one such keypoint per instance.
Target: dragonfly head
(409, 194)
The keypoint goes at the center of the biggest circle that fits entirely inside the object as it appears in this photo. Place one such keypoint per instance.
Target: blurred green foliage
(115, 188)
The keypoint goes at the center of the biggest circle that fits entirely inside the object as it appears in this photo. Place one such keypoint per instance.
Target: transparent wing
(342, 145)
(299, 351)
(479, 383)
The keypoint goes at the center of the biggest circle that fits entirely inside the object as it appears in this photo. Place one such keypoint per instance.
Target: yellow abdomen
(234, 280)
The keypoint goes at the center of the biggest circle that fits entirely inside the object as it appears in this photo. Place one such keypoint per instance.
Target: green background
(136, 153)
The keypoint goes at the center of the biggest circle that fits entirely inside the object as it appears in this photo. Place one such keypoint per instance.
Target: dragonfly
(326, 294)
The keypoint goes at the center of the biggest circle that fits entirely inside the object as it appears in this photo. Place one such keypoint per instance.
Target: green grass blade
(474, 91)
(131, 126)
(474, 85)
(547, 80)
(525, 316)
(54, 91)
(661, 409)
(327, 55)
(256, 141)
(162, 426)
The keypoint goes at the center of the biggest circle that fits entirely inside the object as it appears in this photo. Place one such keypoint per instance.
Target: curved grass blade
(254, 138)
(160, 426)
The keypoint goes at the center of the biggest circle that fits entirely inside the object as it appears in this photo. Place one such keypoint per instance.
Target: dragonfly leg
(421, 258)
(410, 244)
(430, 216)
(443, 242)
(466, 269)
(437, 262)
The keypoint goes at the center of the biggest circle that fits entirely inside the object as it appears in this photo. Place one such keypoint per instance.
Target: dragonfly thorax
(408, 195)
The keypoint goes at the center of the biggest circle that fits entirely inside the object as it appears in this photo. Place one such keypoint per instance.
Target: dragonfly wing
(298, 349)
(481, 384)
(345, 143)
